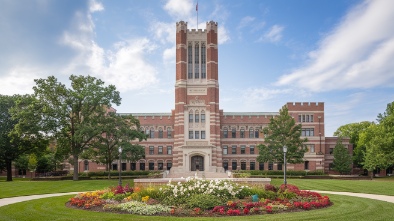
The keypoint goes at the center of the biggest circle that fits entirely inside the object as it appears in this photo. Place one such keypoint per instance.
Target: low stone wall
(162, 181)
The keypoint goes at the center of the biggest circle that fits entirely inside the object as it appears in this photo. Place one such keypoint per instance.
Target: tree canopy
(353, 131)
(70, 115)
(118, 131)
(282, 131)
(12, 144)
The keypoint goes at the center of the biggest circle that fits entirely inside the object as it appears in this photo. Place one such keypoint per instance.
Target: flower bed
(199, 197)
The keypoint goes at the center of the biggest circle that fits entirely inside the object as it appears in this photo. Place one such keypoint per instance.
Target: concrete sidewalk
(386, 198)
(11, 200)
(7, 201)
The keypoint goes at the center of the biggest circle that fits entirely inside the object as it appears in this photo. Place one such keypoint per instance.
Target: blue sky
(271, 52)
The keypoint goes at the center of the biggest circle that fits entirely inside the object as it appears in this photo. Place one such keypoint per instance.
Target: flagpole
(197, 14)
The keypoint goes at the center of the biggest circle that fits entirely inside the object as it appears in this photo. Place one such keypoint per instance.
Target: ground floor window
(306, 165)
(133, 166)
(123, 166)
(234, 165)
(160, 166)
(252, 166)
(261, 166)
(270, 166)
(279, 166)
(169, 165)
(114, 166)
(142, 166)
(151, 166)
(243, 165)
(225, 166)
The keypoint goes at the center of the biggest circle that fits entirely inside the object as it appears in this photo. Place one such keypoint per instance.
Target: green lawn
(344, 208)
(376, 186)
(24, 188)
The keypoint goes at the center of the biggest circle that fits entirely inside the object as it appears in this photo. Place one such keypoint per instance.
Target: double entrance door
(197, 163)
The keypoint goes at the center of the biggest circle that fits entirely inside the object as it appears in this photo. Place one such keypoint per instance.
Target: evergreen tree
(342, 159)
(282, 131)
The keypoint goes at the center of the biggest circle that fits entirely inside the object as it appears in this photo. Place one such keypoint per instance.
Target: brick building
(198, 135)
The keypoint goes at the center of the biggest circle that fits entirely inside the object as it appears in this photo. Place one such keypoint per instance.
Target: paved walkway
(7, 201)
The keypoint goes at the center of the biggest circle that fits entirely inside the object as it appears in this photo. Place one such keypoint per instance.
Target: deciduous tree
(69, 114)
(342, 159)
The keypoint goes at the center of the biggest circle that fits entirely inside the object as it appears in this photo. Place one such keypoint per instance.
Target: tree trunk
(76, 167)
(9, 169)
(109, 171)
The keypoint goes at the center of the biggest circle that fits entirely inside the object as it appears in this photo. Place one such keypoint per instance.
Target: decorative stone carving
(197, 101)
(197, 143)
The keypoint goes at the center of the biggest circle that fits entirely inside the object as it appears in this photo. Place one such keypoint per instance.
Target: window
(331, 151)
(160, 132)
(114, 166)
(190, 134)
(234, 165)
(196, 134)
(243, 148)
(190, 61)
(270, 166)
(196, 61)
(160, 165)
(225, 166)
(86, 165)
(307, 132)
(252, 165)
(202, 134)
(152, 133)
(251, 149)
(147, 132)
(256, 133)
(225, 150)
(306, 165)
(160, 150)
(279, 166)
(169, 165)
(251, 133)
(311, 148)
(225, 133)
(142, 166)
(169, 150)
(202, 117)
(151, 150)
(311, 118)
(169, 132)
(123, 166)
(203, 61)
(233, 132)
(299, 118)
(243, 165)
(305, 118)
(261, 166)
(197, 118)
(234, 149)
(133, 166)
(242, 133)
(190, 117)
(151, 166)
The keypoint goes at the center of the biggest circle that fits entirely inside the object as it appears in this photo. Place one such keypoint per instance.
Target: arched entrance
(197, 163)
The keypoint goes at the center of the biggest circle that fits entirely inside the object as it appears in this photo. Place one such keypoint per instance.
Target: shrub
(139, 208)
(203, 201)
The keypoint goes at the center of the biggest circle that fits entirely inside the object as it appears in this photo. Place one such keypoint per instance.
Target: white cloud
(179, 9)
(356, 54)
(19, 80)
(223, 35)
(245, 21)
(273, 35)
(125, 65)
(95, 6)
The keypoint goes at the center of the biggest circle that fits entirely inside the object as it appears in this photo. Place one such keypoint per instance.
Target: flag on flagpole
(197, 7)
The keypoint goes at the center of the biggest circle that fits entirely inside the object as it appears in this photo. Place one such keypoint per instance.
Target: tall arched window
(202, 116)
(203, 61)
(169, 132)
(197, 61)
(191, 116)
(160, 132)
(152, 133)
(197, 117)
(225, 132)
(190, 61)
(251, 133)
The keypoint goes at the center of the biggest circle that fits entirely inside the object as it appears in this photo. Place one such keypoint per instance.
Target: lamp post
(284, 154)
(120, 166)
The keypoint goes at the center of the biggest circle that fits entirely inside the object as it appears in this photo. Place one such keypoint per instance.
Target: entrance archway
(197, 163)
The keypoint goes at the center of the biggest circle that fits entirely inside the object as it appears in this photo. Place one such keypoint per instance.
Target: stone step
(200, 174)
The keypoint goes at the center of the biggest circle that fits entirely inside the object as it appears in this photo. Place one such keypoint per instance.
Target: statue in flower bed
(200, 197)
